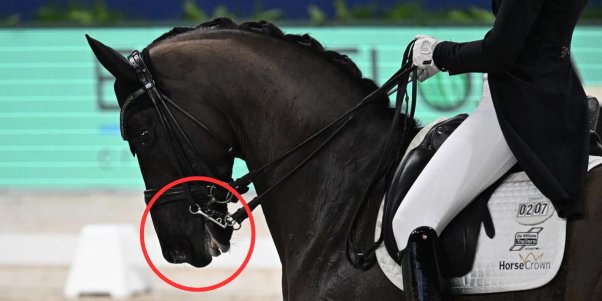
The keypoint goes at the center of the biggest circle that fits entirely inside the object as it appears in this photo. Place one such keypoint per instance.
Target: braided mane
(342, 61)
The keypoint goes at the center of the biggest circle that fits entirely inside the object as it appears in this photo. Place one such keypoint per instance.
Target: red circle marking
(202, 288)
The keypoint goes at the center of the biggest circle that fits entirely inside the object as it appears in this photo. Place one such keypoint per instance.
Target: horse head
(166, 150)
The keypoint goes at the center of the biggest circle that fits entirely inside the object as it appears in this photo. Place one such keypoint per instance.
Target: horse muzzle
(191, 224)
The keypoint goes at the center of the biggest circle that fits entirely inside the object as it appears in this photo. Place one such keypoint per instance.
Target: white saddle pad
(525, 253)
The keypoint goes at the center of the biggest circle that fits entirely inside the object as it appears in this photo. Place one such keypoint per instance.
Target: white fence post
(108, 260)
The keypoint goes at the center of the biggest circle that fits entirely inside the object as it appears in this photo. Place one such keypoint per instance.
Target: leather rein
(183, 148)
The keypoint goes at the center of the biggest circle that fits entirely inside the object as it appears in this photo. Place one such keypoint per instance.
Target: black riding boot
(422, 279)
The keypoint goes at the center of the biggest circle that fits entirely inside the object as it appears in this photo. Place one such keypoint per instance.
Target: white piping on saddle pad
(527, 250)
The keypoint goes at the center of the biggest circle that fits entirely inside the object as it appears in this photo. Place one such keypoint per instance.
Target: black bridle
(183, 149)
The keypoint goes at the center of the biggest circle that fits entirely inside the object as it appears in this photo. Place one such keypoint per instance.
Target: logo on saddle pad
(526, 239)
(535, 211)
(530, 261)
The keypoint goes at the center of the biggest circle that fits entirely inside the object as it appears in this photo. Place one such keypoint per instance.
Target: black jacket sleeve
(501, 46)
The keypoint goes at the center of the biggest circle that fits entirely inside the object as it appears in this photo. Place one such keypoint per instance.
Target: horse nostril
(175, 248)
(177, 252)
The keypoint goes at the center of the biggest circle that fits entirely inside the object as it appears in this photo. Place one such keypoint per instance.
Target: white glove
(423, 56)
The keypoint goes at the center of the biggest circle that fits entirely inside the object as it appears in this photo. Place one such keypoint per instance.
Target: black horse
(262, 92)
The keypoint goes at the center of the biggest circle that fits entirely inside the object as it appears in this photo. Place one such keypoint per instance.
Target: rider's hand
(423, 56)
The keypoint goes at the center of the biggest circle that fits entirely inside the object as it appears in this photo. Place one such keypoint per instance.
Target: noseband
(199, 193)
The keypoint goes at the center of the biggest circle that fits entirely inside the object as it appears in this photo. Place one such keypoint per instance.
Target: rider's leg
(470, 160)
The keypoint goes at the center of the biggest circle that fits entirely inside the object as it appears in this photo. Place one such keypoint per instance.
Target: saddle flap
(461, 235)
(459, 240)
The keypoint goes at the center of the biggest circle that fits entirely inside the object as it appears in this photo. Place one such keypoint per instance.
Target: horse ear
(112, 60)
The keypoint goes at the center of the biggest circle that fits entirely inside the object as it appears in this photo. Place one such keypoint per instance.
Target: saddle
(458, 242)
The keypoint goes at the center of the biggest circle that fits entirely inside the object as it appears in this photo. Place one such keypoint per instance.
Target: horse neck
(293, 95)
(310, 213)
(276, 95)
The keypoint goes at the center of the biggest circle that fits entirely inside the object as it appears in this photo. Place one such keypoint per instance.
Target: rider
(533, 110)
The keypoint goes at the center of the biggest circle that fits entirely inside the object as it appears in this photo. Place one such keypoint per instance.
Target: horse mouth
(215, 247)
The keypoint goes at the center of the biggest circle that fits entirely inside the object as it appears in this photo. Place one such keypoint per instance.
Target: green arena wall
(59, 118)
